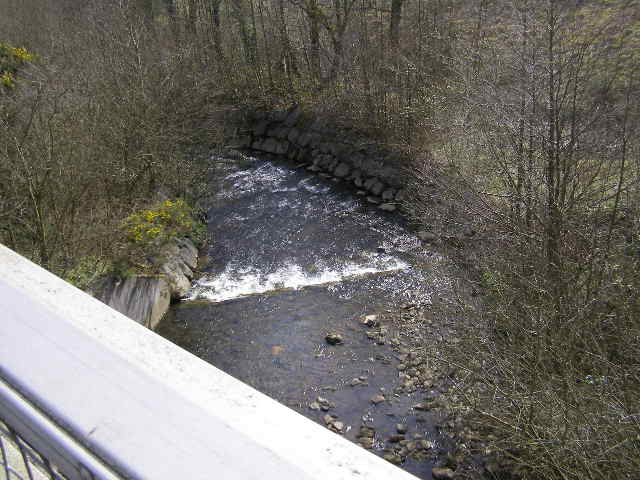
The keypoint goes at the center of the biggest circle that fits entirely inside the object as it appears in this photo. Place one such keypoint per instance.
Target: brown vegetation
(528, 109)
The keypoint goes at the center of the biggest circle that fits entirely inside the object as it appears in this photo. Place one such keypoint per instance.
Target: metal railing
(33, 447)
(86, 393)
(19, 460)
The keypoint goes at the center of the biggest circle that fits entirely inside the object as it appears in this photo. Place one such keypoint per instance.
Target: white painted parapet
(147, 408)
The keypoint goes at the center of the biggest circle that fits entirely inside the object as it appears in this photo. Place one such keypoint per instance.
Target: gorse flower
(7, 79)
(159, 224)
(11, 60)
(22, 54)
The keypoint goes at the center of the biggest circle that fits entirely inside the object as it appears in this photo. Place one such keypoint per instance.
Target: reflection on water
(291, 259)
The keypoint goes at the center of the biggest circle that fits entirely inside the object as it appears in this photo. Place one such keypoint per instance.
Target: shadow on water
(293, 258)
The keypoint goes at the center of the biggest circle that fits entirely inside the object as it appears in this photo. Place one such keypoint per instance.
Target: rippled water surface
(293, 257)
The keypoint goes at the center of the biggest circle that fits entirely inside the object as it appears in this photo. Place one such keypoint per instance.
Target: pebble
(355, 382)
(366, 431)
(324, 404)
(376, 399)
(402, 428)
(366, 442)
(427, 444)
(333, 338)
(393, 458)
(338, 426)
(314, 406)
(440, 473)
(427, 237)
(396, 438)
(369, 320)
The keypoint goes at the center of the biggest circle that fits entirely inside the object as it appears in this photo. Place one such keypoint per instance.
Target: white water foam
(236, 283)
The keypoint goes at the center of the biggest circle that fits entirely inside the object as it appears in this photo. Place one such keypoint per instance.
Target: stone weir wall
(312, 142)
(146, 298)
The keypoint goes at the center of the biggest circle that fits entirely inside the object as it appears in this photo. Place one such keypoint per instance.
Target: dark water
(293, 257)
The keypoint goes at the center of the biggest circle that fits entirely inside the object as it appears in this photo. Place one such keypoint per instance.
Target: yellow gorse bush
(11, 60)
(160, 223)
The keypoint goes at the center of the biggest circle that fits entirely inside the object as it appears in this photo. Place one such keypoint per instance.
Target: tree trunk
(313, 14)
(394, 27)
(214, 12)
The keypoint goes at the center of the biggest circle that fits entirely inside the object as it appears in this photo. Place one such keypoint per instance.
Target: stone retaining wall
(313, 143)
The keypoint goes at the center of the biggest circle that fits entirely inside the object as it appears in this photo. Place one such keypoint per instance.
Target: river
(294, 256)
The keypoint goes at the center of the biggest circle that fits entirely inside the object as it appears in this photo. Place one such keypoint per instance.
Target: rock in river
(401, 428)
(369, 320)
(442, 473)
(333, 338)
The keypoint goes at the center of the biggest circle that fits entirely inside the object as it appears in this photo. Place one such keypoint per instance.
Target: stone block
(294, 134)
(293, 117)
(401, 195)
(304, 139)
(341, 170)
(369, 182)
(279, 115)
(271, 145)
(377, 187)
(388, 194)
(261, 128)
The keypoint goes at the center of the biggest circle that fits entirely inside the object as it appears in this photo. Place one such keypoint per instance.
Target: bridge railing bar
(42, 450)
(143, 407)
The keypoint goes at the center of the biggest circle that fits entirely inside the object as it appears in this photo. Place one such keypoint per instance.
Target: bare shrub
(107, 118)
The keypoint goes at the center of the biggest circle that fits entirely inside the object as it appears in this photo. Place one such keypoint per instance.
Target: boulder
(369, 182)
(294, 134)
(187, 251)
(180, 283)
(261, 128)
(401, 195)
(279, 115)
(324, 161)
(271, 145)
(427, 237)
(341, 170)
(293, 117)
(333, 338)
(304, 139)
(377, 187)
(387, 207)
(388, 194)
(440, 473)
